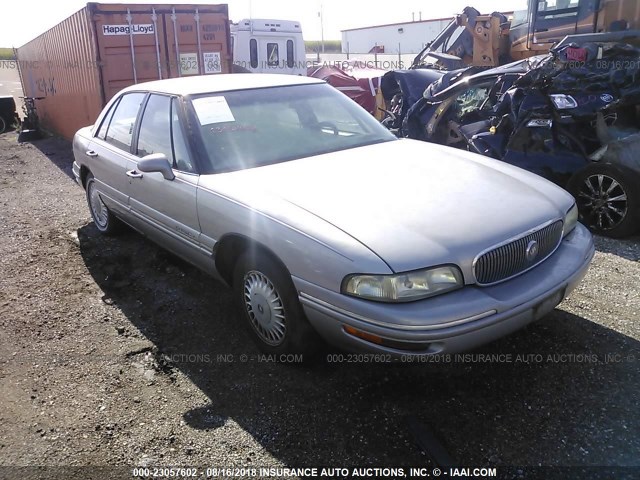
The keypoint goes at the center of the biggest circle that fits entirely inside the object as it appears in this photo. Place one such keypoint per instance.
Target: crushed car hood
(413, 204)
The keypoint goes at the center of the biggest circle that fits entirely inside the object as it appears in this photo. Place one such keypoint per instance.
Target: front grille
(509, 260)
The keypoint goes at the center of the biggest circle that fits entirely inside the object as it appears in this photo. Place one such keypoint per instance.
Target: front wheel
(105, 221)
(608, 199)
(269, 305)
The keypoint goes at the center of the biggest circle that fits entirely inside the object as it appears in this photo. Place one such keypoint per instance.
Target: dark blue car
(574, 123)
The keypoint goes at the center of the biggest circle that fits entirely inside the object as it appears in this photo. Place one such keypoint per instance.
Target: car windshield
(251, 128)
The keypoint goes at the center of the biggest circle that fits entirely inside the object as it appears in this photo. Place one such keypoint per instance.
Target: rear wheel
(608, 199)
(105, 221)
(269, 305)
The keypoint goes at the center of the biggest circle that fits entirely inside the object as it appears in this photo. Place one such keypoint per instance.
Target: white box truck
(268, 46)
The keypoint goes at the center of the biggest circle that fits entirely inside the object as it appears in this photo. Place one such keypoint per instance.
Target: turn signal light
(363, 335)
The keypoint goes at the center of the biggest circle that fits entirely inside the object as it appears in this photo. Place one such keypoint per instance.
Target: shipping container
(74, 68)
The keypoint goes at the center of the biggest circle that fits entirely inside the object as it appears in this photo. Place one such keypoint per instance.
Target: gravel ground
(113, 352)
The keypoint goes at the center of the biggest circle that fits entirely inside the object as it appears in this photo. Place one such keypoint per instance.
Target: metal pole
(200, 57)
(322, 26)
(154, 17)
(175, 40)
(133, 52)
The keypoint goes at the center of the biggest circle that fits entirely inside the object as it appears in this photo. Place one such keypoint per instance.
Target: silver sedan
(323, 223)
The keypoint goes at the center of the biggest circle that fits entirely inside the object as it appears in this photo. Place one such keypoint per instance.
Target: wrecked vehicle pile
(572, 116)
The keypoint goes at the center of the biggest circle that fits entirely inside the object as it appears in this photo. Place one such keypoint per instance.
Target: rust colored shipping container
(74, 68)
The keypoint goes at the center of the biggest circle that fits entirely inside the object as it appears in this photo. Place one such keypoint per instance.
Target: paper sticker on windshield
(213, 110)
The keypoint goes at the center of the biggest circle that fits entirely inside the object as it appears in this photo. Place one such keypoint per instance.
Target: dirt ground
(113, 352)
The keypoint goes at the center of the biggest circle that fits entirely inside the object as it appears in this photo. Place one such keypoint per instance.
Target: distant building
(393, 38)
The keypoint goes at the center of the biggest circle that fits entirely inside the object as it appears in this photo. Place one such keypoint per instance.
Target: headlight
(563, 102)
(570, 220)
(404, 287)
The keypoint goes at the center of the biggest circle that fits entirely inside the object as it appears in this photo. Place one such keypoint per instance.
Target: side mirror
(156, 162)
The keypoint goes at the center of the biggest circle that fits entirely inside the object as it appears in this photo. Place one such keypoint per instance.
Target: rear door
(274, 53)
(167, 208)
(555, 19)
(110, 151)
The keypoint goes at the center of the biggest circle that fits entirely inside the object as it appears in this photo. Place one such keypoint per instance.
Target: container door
(132, 48)
(197, 42)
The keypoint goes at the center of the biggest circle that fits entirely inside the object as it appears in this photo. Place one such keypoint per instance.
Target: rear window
(120, 129)
(251, 128)
(273, 56)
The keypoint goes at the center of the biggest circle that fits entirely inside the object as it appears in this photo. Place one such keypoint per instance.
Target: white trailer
(269, 46)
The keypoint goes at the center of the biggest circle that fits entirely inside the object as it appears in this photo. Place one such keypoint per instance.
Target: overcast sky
(23, 20)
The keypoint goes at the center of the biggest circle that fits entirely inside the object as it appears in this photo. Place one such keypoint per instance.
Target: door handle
(134, 174)
(91, 153)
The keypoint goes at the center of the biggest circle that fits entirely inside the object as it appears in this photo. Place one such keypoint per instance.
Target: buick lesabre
(323, 223)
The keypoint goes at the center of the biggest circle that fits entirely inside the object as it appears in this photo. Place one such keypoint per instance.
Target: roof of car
(221, 83)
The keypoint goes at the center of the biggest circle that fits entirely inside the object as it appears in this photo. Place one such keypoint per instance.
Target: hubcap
(265, 308)
(98, 208)
(603, 201)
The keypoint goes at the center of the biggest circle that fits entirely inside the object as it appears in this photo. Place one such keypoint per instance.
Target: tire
(269, 306)
(3, 125)
(608, 198)
(105, 221)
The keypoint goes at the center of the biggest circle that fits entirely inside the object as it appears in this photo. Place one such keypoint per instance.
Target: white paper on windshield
(213, 110)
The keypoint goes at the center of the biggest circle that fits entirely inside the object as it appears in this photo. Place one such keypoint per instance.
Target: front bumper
(452, 322)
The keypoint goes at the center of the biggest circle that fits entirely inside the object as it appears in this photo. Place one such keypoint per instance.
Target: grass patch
(330, 46)
(7, 54)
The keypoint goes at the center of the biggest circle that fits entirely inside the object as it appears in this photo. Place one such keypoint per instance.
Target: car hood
(413, 204)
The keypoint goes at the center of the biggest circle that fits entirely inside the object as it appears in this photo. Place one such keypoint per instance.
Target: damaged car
(572, 116)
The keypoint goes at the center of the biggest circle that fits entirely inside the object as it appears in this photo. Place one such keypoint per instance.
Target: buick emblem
(532, 251)
(606, 97)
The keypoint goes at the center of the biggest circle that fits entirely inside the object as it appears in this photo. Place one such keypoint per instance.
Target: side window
(120, 130)
(273, 57)
(290, 59)
(155, 128)
(470, 100)
(180, 151)
(557, 8)
(102, 131)
(253, 53)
